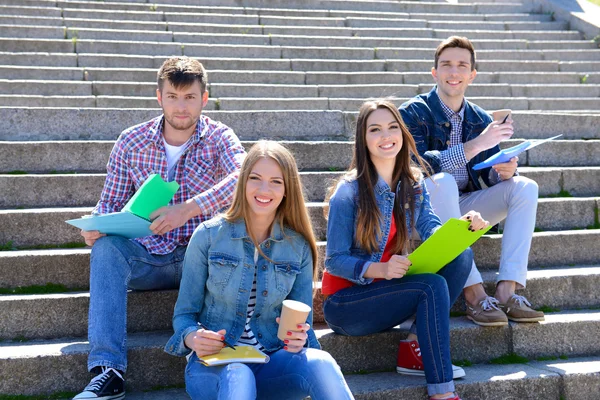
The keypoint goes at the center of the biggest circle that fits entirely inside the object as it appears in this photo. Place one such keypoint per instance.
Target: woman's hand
(477, 221)
(295, 340)
(205, 342)
(396, 267)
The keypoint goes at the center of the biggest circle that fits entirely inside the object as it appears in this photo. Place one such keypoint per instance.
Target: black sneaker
(108, 385)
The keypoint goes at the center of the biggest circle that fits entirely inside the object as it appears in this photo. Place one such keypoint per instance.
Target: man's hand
(170, 217)
(495, 133)
(90, 237)
(507, 170)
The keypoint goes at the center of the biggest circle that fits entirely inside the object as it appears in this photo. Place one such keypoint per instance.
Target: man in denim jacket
(452, 135)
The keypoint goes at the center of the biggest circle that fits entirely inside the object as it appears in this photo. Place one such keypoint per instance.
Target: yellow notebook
(242, 354)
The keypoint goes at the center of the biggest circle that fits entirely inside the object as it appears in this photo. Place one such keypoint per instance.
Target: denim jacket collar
(238, 231)
(471, 117)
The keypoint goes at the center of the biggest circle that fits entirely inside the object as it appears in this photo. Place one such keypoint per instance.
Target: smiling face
(383, 136)
(454, 73)
(265, 188)
(182, 106)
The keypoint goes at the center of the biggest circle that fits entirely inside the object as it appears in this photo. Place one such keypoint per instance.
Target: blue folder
(505, 155)
(122, 223)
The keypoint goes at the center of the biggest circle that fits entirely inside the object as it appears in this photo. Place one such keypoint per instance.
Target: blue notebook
(134, 220)
(505, 155)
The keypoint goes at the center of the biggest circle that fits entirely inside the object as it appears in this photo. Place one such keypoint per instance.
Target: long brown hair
(368, 226)
(292, 212)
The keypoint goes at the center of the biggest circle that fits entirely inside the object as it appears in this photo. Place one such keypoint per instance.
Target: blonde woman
(238, 269)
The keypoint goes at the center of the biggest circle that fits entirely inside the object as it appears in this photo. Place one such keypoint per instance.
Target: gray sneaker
(487, 313)
(517, 309)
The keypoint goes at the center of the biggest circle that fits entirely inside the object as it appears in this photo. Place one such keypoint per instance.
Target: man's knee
(524, 188)
(107, 248)
(442, 184)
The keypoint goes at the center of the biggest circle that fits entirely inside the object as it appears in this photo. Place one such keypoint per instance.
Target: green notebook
(443, 246)
(152, 195)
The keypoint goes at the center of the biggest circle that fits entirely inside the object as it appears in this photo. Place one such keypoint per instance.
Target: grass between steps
(54, 396)
(39, 289)
(8, 246)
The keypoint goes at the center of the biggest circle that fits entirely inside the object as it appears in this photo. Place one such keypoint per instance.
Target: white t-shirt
(173, 155)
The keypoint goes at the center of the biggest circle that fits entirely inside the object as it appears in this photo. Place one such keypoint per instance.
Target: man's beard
(181, 126)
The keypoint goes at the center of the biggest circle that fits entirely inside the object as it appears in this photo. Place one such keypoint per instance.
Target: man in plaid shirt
(204, 157)
(453, 135)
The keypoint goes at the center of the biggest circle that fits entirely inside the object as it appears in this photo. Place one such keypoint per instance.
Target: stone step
(332, 9)
(34, 55)
(91, 156)
(289, 77)
(548, 248)
(319, 125)
(373, 352)
(271, 91)
(575, 378)
(553, 214)
(295, 103)
(100, 124)
(81, 189)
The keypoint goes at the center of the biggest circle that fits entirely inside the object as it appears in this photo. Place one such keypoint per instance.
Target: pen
(504, 120)
(224, 342)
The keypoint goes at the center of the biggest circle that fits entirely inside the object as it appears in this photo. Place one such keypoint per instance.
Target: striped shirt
(453, 159)
(248, 338)
(207, 171)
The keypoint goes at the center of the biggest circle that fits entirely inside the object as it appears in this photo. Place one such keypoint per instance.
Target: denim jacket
(345, 258)
(426, 121)
(217, 280)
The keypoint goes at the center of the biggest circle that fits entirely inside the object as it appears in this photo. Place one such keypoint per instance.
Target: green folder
(152, 195)
(443, 246)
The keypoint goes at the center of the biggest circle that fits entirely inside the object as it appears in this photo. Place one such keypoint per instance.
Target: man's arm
(231, 155)
(118, 185)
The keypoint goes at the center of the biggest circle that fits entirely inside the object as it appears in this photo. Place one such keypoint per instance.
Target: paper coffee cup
(499, 115)
(292, 313)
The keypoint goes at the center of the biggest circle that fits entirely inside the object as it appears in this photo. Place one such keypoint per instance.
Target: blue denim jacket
(427, 122)
(217, 279)
(345, 258)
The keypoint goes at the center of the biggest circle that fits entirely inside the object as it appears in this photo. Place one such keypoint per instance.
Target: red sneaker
(410, 362)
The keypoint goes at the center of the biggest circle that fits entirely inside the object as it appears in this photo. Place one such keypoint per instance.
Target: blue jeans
(381, 305)
(310, 372)
(116, 265)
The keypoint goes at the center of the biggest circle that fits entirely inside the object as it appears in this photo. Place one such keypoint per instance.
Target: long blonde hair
(369, 220)
(292, 212)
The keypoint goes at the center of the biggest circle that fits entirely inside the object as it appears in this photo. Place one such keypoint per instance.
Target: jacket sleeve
(191, 292)
(340, 237)
(302, 291)
(427, 221)
(420, 134)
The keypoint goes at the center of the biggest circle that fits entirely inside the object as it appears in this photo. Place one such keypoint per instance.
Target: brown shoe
(487, 313)
(517, 309)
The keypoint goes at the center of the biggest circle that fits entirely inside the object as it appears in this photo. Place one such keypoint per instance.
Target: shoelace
(490, 303)
(97, 382)
(520, 300)
(418, 351)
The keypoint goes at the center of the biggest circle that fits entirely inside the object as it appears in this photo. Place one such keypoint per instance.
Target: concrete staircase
(74, 74)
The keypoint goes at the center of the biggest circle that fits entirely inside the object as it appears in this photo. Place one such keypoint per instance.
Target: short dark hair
(181, 72)
(455, 41)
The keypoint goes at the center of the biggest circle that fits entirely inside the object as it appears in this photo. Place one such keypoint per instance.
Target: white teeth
(387, 146)
(262, 200)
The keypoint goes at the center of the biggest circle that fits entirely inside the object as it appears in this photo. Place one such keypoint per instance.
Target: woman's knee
(434, 286)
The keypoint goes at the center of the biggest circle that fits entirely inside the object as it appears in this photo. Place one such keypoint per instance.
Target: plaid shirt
(207, 171)
(453, 159)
